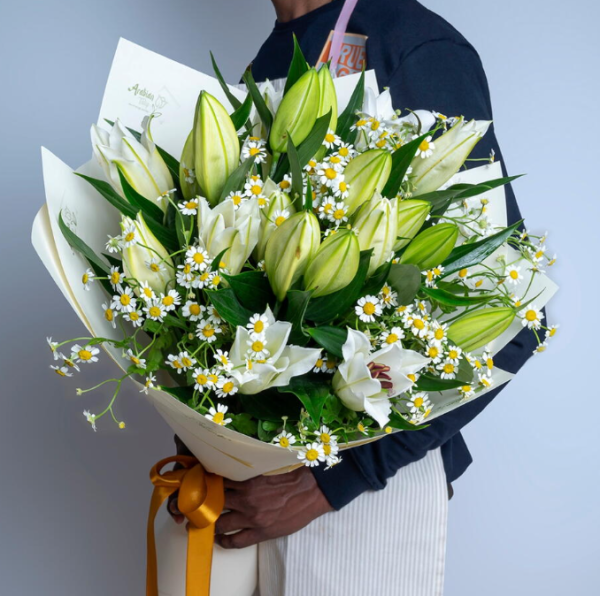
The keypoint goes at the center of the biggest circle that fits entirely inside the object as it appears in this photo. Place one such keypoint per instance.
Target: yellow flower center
(129, 236)
(466, 388)
(109, 315)
(254, 151)
(85, 278)
(154, 311)
(237, 199)
(191, 205)
(514, 274)
(329, 137)
(60, 372)
(134, 316)
(344, 152)
(199, 258)
(325, 438)
(392, 338)
(84, 354)
(208, 331)
(186, 362)
(194, 309)
(284, 442)
(448, 368)
(369, 308)
(411, 377)
(213, 378)
(228, 387)
(419, 324)
(552, 332)
(219, 417)
(453, 354)
(284, 184)
(439, 333)
(335, 159)
(201, 379)
(327, 449)
(256, 189)
(312, 455)
(418, 402)
(339, 214)
(115, 277)
(125, 299)
(279, 220)
(258, 327)
(375, 124)
(433, 352)
(424, 146)
(168, 300)
(258, 346)
(463, 273)
(490, 363)
(330, 364)
(531, 315)
(330, 174)
(216, 280)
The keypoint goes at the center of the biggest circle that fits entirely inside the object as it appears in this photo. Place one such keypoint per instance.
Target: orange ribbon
(201, 499)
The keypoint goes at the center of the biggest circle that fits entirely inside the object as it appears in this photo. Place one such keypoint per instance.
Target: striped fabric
(390, 542)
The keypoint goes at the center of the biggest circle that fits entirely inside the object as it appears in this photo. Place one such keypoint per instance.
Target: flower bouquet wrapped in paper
(315, 271)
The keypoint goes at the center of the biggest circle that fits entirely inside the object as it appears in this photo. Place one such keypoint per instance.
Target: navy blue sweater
(427, 64)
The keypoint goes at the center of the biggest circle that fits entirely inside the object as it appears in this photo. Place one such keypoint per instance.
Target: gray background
(73, 503)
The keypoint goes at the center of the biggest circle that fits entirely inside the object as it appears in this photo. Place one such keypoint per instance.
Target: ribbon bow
(201, 499)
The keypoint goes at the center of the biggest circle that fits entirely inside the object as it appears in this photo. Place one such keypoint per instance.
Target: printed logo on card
(149, 100)
(352, 57)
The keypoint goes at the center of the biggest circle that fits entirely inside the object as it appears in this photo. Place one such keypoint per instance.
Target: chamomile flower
(114, 244)
(434, 352)
(202, 279)
(326, 207)
(466, 391)
(388, 297)
(115, 277)
(454, 354)
(129, 236)
(165, 196)
(180, 362)
(418, 402)
(202, 379)
(425, 148)
(214, 280)
(417, 323)
(53, 347)
(258, 324)
(124, 301)
(148, 384)
(84, 354)
(331, 139)
(155, 310)
(145, 291)
(393, 336)
(254, 187)
(155, 265)
(312, 454)
(340, 189)
(330, 365)
(255, 149)
(135, 317)
(91, 418)
(193, 311)
(257, 348)
(226, 387)
(87, 278)
(328, 175)
(331, 451)
(339, 214)
(368, 308)
(551, 331)
(488, 360)
(284, 439)
(109, 314)
(431, 275)
(188, 173)
(198, 258)
(207, 331)
(311, 166)
(280, 216)
(213, 315)
(485, 380)
(135, 359)
(448, 369)
(171, 300)
(438, 332)
(319, 365)
(189, 207)
(62, 371)
(325, 436)
(286, 184)
(223, 361)
(532, 317)
(346, 151)
(218, 415)
(513, 275)
(237, 197)
(541, 347)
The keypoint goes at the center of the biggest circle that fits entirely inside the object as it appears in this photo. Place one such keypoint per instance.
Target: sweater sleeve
(448, 77)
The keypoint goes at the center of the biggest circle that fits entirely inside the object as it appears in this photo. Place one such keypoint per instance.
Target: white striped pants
(390, 542)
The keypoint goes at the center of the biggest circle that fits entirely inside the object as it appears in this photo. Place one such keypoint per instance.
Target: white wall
(73, 503)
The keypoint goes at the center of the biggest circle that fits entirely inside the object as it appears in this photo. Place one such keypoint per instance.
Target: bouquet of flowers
(315, 271)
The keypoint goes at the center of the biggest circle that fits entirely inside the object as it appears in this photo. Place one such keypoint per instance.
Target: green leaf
(111, 195)
(233, 100)
(330, 338)
(374, 284)
(112, 260)
(326, 308)
(252, 289)
(259, 102)
(293, 310)
(183, 394)
(298, 66)
(308, 198)
(241, 115)
(270, 405)
(348, 116)
(296, 170)
(172, 321)
(172, 164)
(405, 280)
(452, 299)
(401, 160)
(228, 306)
(245, 424)
(141, 203)
(80, 246)
(237, 179)
(431, 383)
(468, 255)
(312, 391)
(307, 149)
(398, 421)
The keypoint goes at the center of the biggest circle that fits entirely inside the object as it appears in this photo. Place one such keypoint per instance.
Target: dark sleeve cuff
(342, 483)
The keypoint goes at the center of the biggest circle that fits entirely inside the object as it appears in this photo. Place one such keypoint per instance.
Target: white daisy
(189, 207)
(63, 371)
(328, 175)
(286, 184)
(109, 314)
(207, 331)
(114, 244)
(339, 214)
(513, 275)
(135, 317)
(485, 380)
(388, 297)
(255, 149)
(284, 439)
(218, 415)
(145, 292)
(453, 354)
(188, 173)
(180, 362)
(393, 336)
(254, 187)
(87, 278)
(257, 348)
(435, 352)
(149, 384)
(331, 451)
(426, 148)
(223, 361)
(201, 379)
(115, 277)
(368, 308)
(91, 418)
(129, 236)
(155, 310)
(419, 402)
(532, 317)
(124, 301)
(198, 258)
(447, 369)
(226, 387)
(192, 310)
(312, 454)
(331, 139)
(466, 391)
(171, 300)
(326, 207)
(86, 354)
(237, 197)
(136, 360)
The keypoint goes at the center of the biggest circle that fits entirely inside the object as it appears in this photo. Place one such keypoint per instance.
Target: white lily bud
(450, 153)
(139, 161)
(377, 225)
(146, 260)
(272, 216)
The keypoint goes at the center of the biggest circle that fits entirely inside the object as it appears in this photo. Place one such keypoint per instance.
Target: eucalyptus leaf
(405, 280)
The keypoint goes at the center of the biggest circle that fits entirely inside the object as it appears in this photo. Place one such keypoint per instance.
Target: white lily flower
(358, 384)
(139, 161)
(284, 361)
(225, 227)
